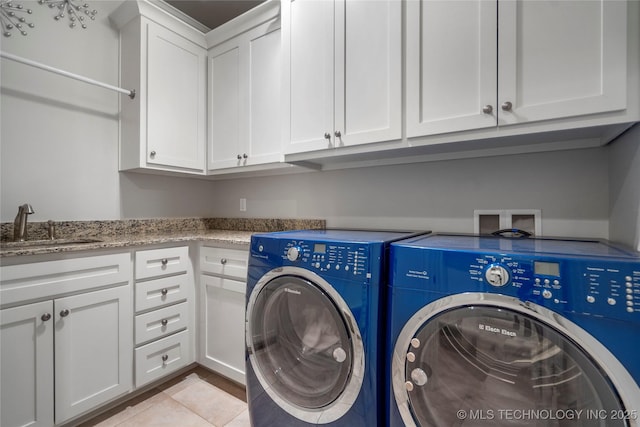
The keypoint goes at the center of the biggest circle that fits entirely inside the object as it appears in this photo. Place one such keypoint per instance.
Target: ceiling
(213, 13)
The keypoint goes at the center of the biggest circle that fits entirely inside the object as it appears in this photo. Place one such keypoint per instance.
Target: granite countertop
(131, 233)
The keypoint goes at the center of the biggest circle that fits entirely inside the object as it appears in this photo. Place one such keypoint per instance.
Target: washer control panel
(347, 260)
(589, 285)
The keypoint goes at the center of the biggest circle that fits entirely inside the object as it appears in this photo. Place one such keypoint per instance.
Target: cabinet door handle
(239, 157)
(338, 134)
(487, 109)
(223, 261)
(327, 135)
(152, 154)
(46, 317)
(164, 262)
(164, 322)
(64, 313)
(164, 291)
(164, 358)
(506, 106)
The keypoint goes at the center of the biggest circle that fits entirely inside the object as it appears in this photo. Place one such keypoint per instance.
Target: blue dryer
(313, 335)
(514, 332)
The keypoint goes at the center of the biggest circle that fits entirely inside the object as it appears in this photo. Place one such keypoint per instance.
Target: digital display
(547, 268)
(319, 248)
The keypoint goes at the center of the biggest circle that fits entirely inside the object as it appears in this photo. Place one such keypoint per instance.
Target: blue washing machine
(312, 327)
(513, 332)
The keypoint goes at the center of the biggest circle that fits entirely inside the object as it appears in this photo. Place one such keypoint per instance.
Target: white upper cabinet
(342, 73)
(480, 64)
(244, 98)
(164, 127)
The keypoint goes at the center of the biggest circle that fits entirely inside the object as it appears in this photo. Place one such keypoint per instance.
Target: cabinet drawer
(224, 262)
(161, 262)
(160, 292)
(160, 323)
(162, 357)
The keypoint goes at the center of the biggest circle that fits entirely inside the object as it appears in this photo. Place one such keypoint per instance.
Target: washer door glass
(492, 366)
(301, 343)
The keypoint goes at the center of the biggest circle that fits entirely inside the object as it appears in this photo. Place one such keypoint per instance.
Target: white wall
(625, 189)
(570, 187)
(59, 137)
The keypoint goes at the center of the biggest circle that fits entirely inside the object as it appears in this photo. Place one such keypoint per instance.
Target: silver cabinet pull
(164, 291)
(64, 313)
(164, 262)
(152, 154)
(164, 322)
(338, 134)
(164, 358)
(487, 109)
(223, 261)
(239, 157)
(46, 317)
(327, 135)
(244, 156)
(506, 106)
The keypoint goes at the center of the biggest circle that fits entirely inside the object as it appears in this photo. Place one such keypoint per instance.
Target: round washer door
(480, 359)
(304, 345)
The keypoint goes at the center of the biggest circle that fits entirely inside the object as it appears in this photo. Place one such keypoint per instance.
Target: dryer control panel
(592, 286)
(347, 260)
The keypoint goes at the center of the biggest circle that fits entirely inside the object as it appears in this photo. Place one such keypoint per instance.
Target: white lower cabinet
(222, 311)
(164, 320)
(71, 350)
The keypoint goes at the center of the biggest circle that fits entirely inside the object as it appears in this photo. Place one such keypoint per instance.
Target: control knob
(293, 253)
(497, 275)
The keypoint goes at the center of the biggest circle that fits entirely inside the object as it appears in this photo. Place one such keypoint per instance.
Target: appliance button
(630, 309)
(419, 377)
(317, 265)
(409, 386)
(556, 282)
(411, 357)
(346, 268)
(627, 278)
(628, 284)
(629, 290)
(629, 303)
(629, 297)
(591, 299)
(338, 267)
(546, 281)
(415, 343)
(547, 294)
(328, 266)
(293, 253)
(537, 280)
(611, 301)
(339, 355)
(260, 248)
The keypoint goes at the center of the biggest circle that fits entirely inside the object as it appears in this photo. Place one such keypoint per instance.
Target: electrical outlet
(488, 221)
(243, 205)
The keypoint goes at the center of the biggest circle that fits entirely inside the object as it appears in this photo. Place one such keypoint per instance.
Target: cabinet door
(226, 106)
(26, 365)
(308, 35)
(561, 58)
(176, 91)
(368, 71)
(222, 326)
(94, 349)
(264, 86)
(451, 66)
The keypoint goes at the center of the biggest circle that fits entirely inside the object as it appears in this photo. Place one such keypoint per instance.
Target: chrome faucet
(20, 223)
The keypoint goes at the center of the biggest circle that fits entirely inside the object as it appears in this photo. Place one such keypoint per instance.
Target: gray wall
(59, 152)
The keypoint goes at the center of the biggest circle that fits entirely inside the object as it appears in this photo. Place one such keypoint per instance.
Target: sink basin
(55, 242)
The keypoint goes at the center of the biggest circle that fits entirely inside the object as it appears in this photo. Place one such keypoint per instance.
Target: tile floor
(198, 398)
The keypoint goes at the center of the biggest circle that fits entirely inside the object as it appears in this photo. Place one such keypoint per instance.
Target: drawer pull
(46, 317)
(64, 313)
(164, 322)
(164, 262)
(165, 357)
(164, 291)
(223, 261)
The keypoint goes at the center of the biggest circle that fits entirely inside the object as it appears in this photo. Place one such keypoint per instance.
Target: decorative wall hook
(11, 17)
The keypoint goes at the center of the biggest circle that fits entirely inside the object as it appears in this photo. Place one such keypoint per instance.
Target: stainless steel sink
(54, 242)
